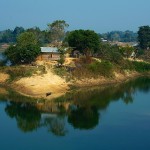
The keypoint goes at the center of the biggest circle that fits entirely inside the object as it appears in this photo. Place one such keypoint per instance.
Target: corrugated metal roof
(49, 49)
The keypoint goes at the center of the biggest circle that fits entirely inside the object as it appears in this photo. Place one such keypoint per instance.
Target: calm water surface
(111, 118)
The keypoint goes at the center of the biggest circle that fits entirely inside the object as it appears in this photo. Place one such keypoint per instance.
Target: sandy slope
(3, 77)
(38, 86)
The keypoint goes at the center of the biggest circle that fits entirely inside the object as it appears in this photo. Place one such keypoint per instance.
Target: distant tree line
(127, 36)
(51, 33)
(55, 32)
(10, 36)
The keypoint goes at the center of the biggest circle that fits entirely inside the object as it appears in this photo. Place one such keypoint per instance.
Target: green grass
(135, 66)
(103, 68)
(95, 69)
(60, 71)
(141, 66)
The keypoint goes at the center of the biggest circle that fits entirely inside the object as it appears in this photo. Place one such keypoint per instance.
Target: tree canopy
(57, 30)
(84, 40)
(26, 49)
(144, 37)
(10, 36)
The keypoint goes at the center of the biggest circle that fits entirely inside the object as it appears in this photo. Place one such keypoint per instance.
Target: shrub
(110, 53)
(127, 65)
(135, 65)
(60, 71)
(141, 66)
(103, 68)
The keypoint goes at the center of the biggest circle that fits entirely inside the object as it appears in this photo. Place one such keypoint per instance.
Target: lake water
(111, 118)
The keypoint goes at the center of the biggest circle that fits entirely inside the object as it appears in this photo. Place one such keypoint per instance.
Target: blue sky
(99, 15)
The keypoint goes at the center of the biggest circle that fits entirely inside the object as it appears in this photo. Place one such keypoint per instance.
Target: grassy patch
(60, 71)
(141, 66)
(94, 70)
(135, 66)
(17, 72)
(103, 68)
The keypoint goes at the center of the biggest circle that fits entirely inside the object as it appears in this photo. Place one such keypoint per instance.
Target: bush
(2, 63)
(135, 65)
(60, 71)
(141, 66)
(127, 65)
(111, 53)
(25, 51)
(103, 68)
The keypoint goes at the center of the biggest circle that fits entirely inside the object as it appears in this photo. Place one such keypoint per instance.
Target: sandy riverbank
(38, 85)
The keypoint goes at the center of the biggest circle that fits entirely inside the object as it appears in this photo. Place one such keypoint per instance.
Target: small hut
(49, 53)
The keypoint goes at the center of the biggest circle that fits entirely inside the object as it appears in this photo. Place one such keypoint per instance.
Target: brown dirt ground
(3, 77)
(38, 86)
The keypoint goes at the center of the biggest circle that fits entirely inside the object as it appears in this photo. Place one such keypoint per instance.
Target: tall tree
(84, 40)
(18, 30)
(26, 49)
(57, 30)
(40, 35)
(144, 37)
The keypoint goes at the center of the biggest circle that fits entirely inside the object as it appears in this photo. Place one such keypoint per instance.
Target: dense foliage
(103, 68)
(57, 30)
(110, 53)
(84, 40)
(25, 51)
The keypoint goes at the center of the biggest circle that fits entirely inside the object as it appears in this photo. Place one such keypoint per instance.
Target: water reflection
(84, 117)
(27, 116)
(55, 125)
(30, 118)
(82, 108)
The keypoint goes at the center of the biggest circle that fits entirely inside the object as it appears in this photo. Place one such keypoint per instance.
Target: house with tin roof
(49, 53)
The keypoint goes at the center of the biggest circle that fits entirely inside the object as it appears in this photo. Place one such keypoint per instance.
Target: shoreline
(106, 81)
(60, 88)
